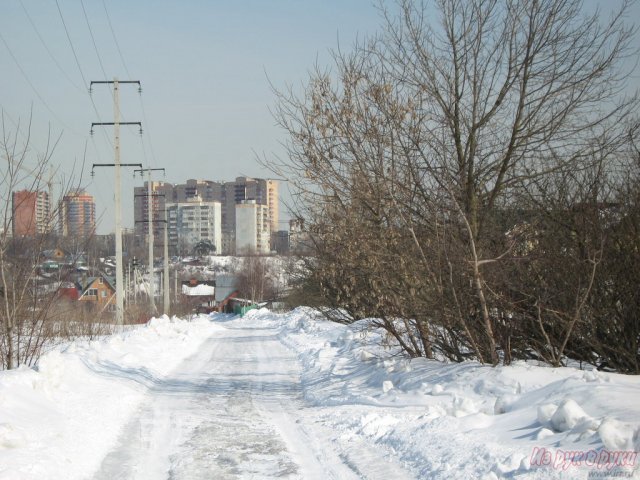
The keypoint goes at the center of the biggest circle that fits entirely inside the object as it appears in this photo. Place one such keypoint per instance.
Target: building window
(104, 294)
(92, 292)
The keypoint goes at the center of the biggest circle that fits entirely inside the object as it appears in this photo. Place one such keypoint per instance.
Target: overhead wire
(64, 73)
(93, 40)
(115, 39)
(95, 47)
(126, 69)
(55, 60)
(35, 90)
(73, 50)
(146, 122)
(46, 47)
(84, 80)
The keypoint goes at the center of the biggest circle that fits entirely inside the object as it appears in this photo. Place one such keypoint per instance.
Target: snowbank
(465, 420)
(439, 420)
(58, 420)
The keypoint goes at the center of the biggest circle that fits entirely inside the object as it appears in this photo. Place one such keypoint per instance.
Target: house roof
(108, 280)
(198, 290)
(54, 253)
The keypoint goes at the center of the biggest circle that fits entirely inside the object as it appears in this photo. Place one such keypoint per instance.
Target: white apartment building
(253, 231)
(262, 191)
(192, 222)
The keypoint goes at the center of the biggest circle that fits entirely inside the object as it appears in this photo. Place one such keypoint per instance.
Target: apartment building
(207, 190)
(228, 194)
(253, 230)
(193, 222)
(262, 191)
(161, 194)
(31, 213)
(77, 216)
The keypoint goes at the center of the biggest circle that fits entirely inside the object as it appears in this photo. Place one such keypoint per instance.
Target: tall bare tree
(416, 158)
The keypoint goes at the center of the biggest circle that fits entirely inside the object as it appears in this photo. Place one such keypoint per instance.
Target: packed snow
(295, 396)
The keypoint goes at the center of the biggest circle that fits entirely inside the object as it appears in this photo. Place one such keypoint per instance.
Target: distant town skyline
(200, 210)
(207, 70)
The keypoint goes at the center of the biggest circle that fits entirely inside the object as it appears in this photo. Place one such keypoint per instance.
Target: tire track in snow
(235, 410)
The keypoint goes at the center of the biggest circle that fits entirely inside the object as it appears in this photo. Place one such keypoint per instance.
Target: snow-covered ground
(294, 396)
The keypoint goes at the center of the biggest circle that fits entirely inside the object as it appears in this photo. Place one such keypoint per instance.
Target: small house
(99, 291)
(200, 294)
(226, 290)
(55, 254)
(69, 291)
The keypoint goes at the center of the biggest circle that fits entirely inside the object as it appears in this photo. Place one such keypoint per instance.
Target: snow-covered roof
(198, 290)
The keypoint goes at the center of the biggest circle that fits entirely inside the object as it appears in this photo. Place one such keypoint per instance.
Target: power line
(100, 59)
(44, 44)
(115, 39)
(93, 40)
(146, 122)
(75, 56)
(118, 213)
(144, 151)
(26, 77)
(151, 231)
(144, 113)
(126, 69)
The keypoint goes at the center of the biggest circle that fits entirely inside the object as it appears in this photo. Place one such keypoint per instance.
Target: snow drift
(439, 420)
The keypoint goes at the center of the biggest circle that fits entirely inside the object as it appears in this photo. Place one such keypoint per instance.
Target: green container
(242, 309)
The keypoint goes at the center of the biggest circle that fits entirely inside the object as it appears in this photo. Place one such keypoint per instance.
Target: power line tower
(118, 213)
(150, 197)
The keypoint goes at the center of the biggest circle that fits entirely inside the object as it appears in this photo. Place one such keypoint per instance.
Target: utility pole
(167, 300)
(118, 213)
(152, 294)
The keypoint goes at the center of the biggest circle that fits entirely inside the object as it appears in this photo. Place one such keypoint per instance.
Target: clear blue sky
(203, 65)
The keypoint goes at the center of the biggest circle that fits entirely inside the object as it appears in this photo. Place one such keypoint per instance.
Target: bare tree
(255, 281)
(25, 301)
(415, 160)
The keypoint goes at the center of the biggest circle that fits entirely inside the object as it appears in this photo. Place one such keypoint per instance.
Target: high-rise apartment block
(253, 231)
(31, 213)
(77, 216)
(161, 194)
(299, 238)
(194, 222)
(227, 194)
(263, 192)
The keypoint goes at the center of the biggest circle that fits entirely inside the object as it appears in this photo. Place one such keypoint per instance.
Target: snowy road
(294, 396)
(235, 410)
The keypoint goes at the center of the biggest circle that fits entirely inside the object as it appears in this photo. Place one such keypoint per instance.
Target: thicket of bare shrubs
(255, 280)
(36, 316)
(470, 178)
(33, 315)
